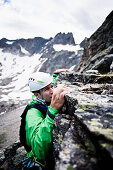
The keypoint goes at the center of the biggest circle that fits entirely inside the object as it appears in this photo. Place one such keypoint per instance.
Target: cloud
(6, 1)
(32, 18)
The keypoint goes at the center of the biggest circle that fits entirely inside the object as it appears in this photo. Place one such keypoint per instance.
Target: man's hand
(58, 96)
(62, 70)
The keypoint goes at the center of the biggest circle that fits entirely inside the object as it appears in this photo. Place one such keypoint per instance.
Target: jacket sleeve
(55, 75)
(39, 131)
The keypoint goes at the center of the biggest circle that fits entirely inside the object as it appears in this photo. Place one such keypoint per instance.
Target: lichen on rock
(88, 139)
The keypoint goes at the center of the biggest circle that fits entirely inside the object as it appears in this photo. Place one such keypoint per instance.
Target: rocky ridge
(98, 52)
(83, 131)
(34, 45)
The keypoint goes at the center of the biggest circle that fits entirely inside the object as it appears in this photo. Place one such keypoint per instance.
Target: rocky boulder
(11, 157)
(83, 131)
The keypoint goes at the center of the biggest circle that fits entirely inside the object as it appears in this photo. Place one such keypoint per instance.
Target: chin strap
(41, 94)
(42, 99)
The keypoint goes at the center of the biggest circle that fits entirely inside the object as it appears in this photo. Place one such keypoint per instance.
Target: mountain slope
(20, 58)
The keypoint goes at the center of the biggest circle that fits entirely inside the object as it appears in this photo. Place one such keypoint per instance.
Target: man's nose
(51, 90)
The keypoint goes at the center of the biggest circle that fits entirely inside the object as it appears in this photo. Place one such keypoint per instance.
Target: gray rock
(98, 46)
(83, 131)
(13, 156)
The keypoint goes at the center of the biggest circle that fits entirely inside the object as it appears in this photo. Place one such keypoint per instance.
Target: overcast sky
(46, 18)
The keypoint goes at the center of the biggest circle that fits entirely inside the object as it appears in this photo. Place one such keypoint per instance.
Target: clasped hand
(58, 96)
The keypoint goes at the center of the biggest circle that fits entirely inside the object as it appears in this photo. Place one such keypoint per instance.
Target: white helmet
(39, 80)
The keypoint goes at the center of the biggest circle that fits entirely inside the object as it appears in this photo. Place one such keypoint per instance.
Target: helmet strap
(41, 94)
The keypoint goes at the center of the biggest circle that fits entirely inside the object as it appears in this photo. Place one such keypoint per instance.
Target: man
(38, 119)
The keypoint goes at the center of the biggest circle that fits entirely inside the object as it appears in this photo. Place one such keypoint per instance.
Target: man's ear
(37, 94)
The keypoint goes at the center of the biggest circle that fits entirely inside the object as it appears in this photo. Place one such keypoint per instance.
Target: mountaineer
(37, 120)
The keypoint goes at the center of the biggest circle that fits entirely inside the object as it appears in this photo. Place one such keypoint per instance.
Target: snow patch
(74, 48)
(10, 42)
(24, 50)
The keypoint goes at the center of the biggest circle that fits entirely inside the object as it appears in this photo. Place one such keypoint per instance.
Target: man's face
(47, 93)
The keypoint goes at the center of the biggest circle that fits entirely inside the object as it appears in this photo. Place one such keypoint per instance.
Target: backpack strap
(43, 109)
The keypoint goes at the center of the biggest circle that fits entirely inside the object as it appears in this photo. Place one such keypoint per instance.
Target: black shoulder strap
(42, 109)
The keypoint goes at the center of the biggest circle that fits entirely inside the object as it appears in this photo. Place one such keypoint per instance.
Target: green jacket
(39, 131)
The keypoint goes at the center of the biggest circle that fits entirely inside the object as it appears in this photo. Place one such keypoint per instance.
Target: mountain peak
(63, 38)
